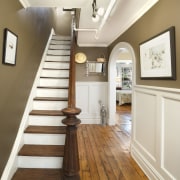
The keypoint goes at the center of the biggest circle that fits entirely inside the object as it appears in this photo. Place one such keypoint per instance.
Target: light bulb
(95, 18)
(100, 11)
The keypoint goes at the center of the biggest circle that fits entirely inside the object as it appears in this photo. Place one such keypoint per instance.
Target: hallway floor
(124, 117)
(105, 153)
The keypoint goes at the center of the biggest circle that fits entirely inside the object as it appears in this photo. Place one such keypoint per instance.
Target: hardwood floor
(124, 118)
(105, 154)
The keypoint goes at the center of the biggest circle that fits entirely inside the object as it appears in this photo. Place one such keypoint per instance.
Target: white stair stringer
(46, 120)
(51, 82)
(39, 162)
(56, 65)
(52, 92)
(49, 105)
(57, 58)
(54, 46)
(44, 139)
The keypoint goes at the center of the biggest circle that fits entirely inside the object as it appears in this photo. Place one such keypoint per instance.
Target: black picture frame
(158, 56)
(9, 47)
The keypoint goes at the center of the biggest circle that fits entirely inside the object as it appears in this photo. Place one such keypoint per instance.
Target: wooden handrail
(71, 156)
(72, 96)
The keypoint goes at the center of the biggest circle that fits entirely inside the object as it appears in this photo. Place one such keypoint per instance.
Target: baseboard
(147, 168)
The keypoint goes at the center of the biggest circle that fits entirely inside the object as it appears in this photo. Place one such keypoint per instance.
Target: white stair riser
(59, 52)
(46, 120)
(57, 58)
(56, 65)
(55, 73)
(52, 92)
(44, 139)
(39, 162)
(49, 105)
(61, 37)
(60, 42)
(54, 82)
(59, 47)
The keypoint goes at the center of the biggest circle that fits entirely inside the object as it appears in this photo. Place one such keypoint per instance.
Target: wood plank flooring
(124, 120)
(105, 154)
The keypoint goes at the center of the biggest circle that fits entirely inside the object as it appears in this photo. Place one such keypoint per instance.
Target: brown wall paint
(159, 18)
(32, 25)
(92, 54)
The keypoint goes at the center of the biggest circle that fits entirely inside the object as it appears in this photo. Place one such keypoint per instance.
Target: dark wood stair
(50, 99)
(37, 174)
(53, 87)
(54, 77)
(46, 113)
(46, 129)
(42, 150)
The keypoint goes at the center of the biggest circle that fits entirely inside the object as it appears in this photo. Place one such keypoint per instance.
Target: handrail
(71, 156)
(72, 96)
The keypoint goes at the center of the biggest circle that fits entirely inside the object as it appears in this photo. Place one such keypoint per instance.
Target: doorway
(115, 53)
(124, 91)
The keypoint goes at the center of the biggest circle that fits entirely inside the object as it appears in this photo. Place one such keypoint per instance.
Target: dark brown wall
(33, 28)
(92, 54)
(160, 17)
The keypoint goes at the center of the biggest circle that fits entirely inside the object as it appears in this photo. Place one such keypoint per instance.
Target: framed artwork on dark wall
(158, 56)
(9, 47)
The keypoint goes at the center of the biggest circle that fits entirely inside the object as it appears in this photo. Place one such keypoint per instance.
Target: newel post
(71, 155)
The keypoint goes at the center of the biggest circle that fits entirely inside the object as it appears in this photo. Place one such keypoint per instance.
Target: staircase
(41, 156)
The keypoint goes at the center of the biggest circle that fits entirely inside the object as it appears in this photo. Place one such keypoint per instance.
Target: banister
(71, 155)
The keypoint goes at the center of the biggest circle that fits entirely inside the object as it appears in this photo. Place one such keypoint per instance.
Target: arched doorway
(112, 76)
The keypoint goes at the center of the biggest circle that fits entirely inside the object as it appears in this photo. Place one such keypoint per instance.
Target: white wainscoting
(88, 95)
(156, 131)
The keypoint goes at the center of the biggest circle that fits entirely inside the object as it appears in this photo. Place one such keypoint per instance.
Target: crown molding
(25, 3)
(133, 19)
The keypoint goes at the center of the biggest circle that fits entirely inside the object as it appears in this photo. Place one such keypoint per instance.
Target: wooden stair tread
(57, 55)
(54, 39)
(54, 77)
(50, 99)
(53, 87)
(42, 150)
(58, 61)
(47, 112)
(46, 129)
(38, 174)
(59, 49)
(56, 69)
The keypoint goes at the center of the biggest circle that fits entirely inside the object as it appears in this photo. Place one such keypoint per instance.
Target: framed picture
(157, 56)
(9, 47)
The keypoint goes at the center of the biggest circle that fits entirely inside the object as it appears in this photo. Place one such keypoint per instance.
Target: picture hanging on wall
(9, 47)
(157, 56)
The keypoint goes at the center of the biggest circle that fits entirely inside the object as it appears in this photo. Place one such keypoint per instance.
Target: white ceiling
(118, 17)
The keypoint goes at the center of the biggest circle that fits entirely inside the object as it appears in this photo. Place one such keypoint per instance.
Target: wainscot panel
(88, 97)
(155, 137)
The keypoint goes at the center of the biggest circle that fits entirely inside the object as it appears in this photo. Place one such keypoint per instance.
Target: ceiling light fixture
(96, 12)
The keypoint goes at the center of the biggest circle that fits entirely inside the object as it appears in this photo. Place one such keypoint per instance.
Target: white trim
(88, 102)
(11, 165)
(25, 3)
(134, 18)
(111, 78)
(158, 88)
(157, 169)
(149, 170)
(92, 45)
